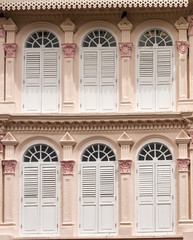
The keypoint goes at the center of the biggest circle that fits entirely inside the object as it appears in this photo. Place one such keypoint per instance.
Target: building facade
(96, 123)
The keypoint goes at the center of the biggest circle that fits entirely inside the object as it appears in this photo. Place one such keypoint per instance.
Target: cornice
(94, 122)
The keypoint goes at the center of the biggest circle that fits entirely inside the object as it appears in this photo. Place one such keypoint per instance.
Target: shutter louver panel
(146, 180)
(107, 181)
(50, 65)
(31, 182)
(49, 182)
(163, 180)
(33, 67)
(164, 64)
(89, 181)
(146, 64)
(108, 65)
(90, 65)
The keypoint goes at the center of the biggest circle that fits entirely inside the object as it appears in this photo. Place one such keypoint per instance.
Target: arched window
(98, 187)
(39, 192)
(155, 189)
(155, 71)
(41, 73)
(98, 84)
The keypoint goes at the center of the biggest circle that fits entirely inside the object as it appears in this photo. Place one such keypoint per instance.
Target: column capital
(69, 49)
(190, 29)
(9, 166)
(67, 167)
(10, 50)
(183, 164)
(125, 166)
(182, 47)
(126, 49)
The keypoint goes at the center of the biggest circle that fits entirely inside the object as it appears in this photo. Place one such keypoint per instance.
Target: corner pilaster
(2, 61)
(1, 177)
(191, 173)
(190, 33)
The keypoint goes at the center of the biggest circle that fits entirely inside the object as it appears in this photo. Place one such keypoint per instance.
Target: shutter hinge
(115, 225)
(80, 80)
(137, 79)
(137, 104)
(80, 105)
(79, 225)
(136, 170)
(59, 81)
(59, 56)
(79, 199)
(22, 199)
(172, 55)
(22, 172)
(172, 224)
(57, 225)
(137, 55)
(81, 56)
(23, 105)
(172, 79)
(23, 81)
(21, 226)
(116, 80)
(57, 171)
(57, 199)
(172, 104)
(136, 224)
(137, 198)
(24, 57)
(115, 198)
(58, 105)
(116, 104)
(172, 197)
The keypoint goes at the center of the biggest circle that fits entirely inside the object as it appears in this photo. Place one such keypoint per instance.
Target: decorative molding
(125, 139)
(126, 49)
(69, 49)
(68, 26)
(181, 24)
(2, 31)
(9, 166)
(125, 166)
(10, 26)
(183, 138)
(10, 50)
(63, 4)
(9, 140)
(67, 139)
(190, 29)
(190, 132)
(182, 46)
(183, 164)
(125, 25)
(67, 167)
(1, 144)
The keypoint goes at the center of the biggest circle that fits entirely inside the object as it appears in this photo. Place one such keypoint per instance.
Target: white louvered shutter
(50, 81)
(146, 81)
(30, 200)
(145, 206)
(107, 195)
(89, 199)
(164, 199)
(108, 80)
(90, 83)
(164, 80)
(49, 220)
(32, 82)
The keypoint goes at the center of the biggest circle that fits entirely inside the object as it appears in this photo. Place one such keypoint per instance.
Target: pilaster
(182, 46)
(1, 177)
(190, 33)
(126, 53)
(125, 165)
(9, 165)
(69, 48)
(2, 62)
(183, 168)
(191, 173)
(67, 165)
(10, 49)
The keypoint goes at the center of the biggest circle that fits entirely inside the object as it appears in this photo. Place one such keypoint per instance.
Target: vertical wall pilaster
(190, 33)
(191, 174)
(10, 53)
(182, 46)
(69, 48)
(126, 193)
(67, 165)
(1, 178)
(2, 56)
(127, 89)
(9, 165)
(183, 167)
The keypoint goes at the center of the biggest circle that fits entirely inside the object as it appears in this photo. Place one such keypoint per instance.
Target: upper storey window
(98, 83)
(41, 73)
(155, 71)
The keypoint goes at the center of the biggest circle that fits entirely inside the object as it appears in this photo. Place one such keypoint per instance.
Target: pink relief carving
(2, 31)
(183, 164)
(10, 49)
(125, 166)
(126, 49)
(182, 46)
(190, 29)
(9, 166)
(69, 49)
(67, 166)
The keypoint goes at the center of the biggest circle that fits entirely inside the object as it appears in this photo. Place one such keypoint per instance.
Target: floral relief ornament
(190, 29)
(182, 46)
(2, 31)
(126, 49)
(69, 49)
(183, 164)
(67, 166)
(10, 49)
(125, 166)
(9, 166)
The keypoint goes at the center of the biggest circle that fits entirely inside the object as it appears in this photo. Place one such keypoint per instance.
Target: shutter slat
(30, 182)
(145, 180)
(48, 182)
(163, 180)
(89, 181)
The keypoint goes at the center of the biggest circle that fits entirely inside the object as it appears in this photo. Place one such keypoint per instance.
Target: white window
(39, 191)
(154, 189)
(98, 83)
(98, 190)
(155, 71)
(41, 73)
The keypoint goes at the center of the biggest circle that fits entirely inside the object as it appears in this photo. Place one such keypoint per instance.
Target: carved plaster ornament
(181, 24)
(125, 25)
(183, 164)
(1, 144)
(2, 31)
(69, 49)
(182, 46)
(10, 50)
(125, 166)
(190, 29)
(68, 26)
(126, 49)
(9, 166)
(67, 167)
